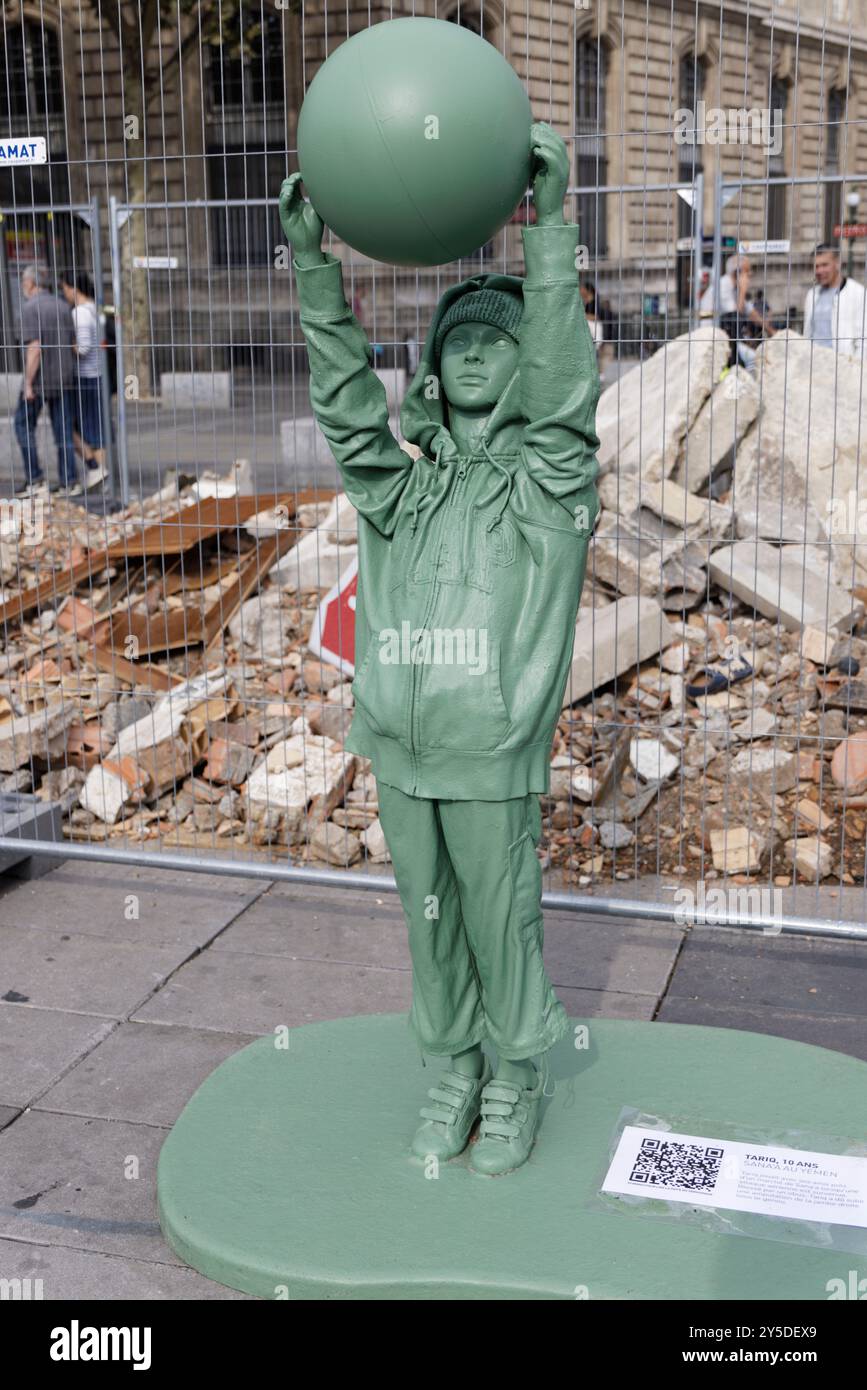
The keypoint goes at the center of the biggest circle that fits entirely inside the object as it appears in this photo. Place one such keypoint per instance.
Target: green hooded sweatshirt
(470, 567)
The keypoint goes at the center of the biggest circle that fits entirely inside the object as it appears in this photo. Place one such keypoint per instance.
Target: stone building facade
(610, 77)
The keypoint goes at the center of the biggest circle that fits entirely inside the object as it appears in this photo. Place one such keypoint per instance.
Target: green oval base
(289, 1175)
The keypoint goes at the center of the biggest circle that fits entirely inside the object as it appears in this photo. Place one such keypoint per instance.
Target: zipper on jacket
(415, 678)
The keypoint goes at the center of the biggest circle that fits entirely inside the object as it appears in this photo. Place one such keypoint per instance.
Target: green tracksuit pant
(471, 885)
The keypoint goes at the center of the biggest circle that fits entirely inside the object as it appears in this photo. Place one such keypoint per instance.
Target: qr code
(663, 1163)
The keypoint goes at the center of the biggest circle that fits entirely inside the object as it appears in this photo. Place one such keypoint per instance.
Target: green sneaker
(448, 1122)
(508, 1129)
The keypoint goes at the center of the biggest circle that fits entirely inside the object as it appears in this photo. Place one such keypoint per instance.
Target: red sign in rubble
(332, 636)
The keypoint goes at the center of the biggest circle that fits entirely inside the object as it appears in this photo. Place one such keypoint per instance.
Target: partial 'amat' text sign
(33, 150)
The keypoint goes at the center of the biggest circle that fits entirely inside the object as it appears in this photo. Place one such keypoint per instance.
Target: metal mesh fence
(178, 625)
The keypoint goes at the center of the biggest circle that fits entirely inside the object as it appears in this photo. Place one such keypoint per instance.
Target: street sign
(764, 248)
(851, 229)
(155, 262)
(332, 635)
(28, 151)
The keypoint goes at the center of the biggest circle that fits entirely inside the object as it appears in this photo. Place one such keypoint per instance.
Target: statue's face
(476, 363)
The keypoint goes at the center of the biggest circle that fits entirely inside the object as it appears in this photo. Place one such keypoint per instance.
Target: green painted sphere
(414, 142)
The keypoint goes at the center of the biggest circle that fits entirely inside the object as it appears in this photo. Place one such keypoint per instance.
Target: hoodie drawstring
(424, 495)
(509, 477)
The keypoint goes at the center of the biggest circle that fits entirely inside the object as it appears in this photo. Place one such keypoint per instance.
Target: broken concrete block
(322, 555)
(676, 658)
(759, 723)
(766, 771)
(300, 772)
(817, 645)
(800, 458)
(652, 760)
(227, 762)
(811, 813)
(627, 562)
(106, 791)
(673, 503)
(613, 834)
(642, 417)
(335, 844)
(810, 856)
(583, 784)
(710, 443)
(736, 850)
(639, 551)
(373, 839)
(121, 713)
(260, 627)
(612, 640)
(773, 583)
(39, 734)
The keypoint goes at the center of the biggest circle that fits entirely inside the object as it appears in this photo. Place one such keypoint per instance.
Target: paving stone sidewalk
(122, 988)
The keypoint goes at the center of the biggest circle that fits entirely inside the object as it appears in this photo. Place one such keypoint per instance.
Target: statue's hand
(551, 173)
(300, 220)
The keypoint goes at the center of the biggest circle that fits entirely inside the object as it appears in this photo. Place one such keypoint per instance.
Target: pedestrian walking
(88, 414)
(47, 337)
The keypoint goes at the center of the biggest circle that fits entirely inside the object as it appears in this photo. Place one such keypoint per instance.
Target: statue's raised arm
(347, 396)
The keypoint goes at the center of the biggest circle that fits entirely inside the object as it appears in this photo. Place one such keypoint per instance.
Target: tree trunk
(135, 296)
(294, 77)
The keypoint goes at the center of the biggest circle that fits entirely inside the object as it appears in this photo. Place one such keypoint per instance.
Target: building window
(690, 92)
(253, 78)
(32, 89)
(468, 19)
(777, 192)
(31, 77)
(246, 138)
(591, 164)
(833, 142)
(244, 236)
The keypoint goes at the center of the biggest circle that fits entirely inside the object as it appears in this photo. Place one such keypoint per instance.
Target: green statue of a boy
(471, 563)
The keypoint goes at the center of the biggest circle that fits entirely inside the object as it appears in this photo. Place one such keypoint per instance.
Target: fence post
(716, 267)
(697, 229)
(104, 378)
(114, 242)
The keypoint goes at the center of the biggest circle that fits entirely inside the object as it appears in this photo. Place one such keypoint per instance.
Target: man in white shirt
(835, 307)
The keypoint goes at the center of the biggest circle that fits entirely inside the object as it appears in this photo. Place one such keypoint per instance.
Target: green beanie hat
(482, 306)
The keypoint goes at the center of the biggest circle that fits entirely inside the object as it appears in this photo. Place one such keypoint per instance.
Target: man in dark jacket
(47, 336)
(471, 563)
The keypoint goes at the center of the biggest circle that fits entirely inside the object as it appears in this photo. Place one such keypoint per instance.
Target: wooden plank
(170, 537)
(188, 527)
(127, 671)
(58, 584)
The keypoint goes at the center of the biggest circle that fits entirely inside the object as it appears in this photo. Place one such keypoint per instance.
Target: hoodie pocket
(380, 691)
(460, 703)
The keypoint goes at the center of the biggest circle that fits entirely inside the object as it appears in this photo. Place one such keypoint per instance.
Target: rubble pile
(155, 679)
(727, 540)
